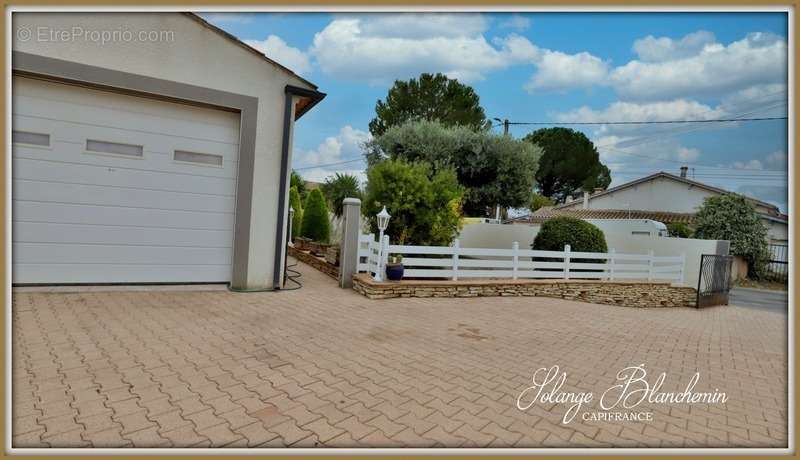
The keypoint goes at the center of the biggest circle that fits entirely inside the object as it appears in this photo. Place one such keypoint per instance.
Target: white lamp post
(383, 223)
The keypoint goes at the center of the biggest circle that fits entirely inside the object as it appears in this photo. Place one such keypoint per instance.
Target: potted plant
(319, 249)
(394, 268)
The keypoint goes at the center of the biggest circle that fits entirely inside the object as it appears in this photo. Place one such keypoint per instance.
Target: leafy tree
(731, 217)
(539, 201)
(493, 169)
(338, 188)
(432, 97)
(299, 183)
(425, 206)
(316, 223)
(570, 161)
(580, 235)
(297, 219)
(679, 230)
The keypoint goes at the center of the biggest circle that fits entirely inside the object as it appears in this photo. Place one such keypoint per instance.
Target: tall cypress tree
(316, 223)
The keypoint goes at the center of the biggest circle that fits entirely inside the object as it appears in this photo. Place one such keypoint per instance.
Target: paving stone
(383, 372)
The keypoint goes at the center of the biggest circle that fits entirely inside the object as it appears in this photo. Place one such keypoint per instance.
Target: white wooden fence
(454, 262)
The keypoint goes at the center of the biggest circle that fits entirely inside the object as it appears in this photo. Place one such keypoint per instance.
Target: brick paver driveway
(325, 367)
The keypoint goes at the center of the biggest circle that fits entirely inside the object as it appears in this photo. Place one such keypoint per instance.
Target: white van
(634, 227)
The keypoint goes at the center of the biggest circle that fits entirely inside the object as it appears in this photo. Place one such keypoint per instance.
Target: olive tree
(731, 217)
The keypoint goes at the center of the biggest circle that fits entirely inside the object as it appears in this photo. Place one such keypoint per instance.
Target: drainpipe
(280, 240)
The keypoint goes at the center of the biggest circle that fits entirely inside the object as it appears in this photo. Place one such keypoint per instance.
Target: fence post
(456, 247)
(350, 242)
(683, 266)
(515, 259)
(566, 261)
(650, 265)
(384, 256)
(611, 264)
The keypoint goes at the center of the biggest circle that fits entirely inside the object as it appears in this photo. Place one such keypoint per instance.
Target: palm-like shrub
(338, 188)
(316, 223)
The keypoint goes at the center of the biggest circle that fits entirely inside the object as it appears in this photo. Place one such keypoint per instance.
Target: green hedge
(316, 223)
(297, 220)
(580, 235)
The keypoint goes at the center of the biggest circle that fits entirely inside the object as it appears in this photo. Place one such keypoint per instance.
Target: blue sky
(554, 67)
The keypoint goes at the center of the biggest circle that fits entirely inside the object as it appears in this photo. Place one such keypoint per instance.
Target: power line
(329, 164)
(650, 122)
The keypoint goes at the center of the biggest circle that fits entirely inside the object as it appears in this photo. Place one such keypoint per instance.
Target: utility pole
(505, 125)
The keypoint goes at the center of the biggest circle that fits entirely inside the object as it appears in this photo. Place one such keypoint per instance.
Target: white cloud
(516, 22)
(344, 146)
(679, 109)
(421, 25)
(381, 49)
(559, 71)
(759, 58)
(652, 49)
(778, 160)
(614, 150)
(688, 155)
(752, 164)
(276, 49)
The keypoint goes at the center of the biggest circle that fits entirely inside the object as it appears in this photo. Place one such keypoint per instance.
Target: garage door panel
(81, 217)
(118, 273)
(44, 170)
(104, 195)
(158, 151)
(131, 254)
(29, 211)
(52, 101)
(118, 234)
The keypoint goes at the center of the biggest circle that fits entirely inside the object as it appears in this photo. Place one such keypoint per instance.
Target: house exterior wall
(194, 55)
(659, 194)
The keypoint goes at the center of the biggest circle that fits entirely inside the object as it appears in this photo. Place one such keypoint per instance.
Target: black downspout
(280, 241)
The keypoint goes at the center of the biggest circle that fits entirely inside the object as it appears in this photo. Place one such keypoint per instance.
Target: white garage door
(109, 188)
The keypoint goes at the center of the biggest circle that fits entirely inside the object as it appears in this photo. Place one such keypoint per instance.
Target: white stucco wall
(198, 56)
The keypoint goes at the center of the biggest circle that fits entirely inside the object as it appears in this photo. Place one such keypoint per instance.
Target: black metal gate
(778, 267)
(714, 283)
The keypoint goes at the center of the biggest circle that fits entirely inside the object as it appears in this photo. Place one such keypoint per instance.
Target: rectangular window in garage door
(114, 148)
(30, 138)
(206, 159)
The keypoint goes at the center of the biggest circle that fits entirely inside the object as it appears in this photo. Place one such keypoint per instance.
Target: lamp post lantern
(383, 223)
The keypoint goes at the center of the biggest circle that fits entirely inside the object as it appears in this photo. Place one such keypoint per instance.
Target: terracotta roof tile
(546, 213)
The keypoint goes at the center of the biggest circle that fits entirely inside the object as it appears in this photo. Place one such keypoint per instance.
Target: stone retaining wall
(622, 293)
(317, 262)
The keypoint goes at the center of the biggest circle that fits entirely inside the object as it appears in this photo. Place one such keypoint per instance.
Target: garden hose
(293, 276)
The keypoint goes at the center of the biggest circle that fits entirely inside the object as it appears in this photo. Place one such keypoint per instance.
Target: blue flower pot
(394, 272)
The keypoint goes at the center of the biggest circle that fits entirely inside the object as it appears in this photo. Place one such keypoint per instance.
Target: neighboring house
(663, 197)
(162, 157)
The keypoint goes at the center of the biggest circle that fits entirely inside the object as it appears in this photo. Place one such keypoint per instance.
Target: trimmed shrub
(679, 230)
(731, 217)
(316, 223)
(580, 235)
(297, 220)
